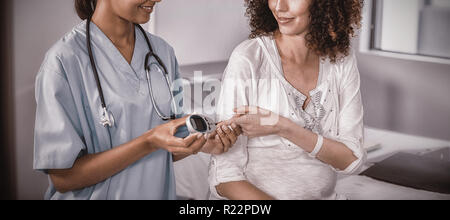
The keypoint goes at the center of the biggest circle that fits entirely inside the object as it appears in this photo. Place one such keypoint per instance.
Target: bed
(192, 173)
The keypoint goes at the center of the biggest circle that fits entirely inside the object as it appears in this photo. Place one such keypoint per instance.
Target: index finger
(179, 150)
(230, 121)
(242, 110)
(197, 145)
(178, 142)
(244, 119)
(179, 122)
(190, 139)
(237, 129)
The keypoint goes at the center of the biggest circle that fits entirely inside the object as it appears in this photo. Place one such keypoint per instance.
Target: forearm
(176, 158)
(241, 190)
(95, 168)
(333, 152)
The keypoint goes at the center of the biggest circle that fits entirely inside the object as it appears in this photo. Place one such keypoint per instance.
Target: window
(410, 27)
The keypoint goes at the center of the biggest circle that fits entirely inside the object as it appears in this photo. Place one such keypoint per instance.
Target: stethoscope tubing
(107, 119)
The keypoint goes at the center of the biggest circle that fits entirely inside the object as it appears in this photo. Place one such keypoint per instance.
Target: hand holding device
(200, 124)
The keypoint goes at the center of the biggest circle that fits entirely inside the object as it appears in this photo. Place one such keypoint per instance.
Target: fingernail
(233, 125)
(199, 135)
(224, 127)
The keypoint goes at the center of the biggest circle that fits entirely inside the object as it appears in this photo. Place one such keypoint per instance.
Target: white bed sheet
(192, 173)
(191, 176)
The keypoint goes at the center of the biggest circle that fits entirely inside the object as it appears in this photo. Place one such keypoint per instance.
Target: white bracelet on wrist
(318, 146)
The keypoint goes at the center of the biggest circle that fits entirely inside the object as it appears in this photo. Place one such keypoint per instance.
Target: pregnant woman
(294, 88)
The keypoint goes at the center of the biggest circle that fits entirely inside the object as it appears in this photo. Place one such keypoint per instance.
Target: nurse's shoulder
(66, 52)
(160, 46)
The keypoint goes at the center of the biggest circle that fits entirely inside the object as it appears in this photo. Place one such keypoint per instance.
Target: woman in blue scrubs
(132, 159)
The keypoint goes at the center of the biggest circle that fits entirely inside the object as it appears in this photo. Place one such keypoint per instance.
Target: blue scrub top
(69, 110)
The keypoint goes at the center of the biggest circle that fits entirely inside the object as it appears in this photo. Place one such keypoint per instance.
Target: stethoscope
(107, 118)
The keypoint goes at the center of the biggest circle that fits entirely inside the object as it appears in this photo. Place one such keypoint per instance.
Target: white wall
(37, 25)
(194, 27)
(405, 96)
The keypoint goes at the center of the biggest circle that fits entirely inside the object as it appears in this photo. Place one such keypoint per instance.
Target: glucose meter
(200, 124)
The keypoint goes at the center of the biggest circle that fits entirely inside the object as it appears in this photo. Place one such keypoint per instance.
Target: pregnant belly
(288, 174)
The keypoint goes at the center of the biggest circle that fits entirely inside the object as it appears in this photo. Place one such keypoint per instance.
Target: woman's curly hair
(332, 24)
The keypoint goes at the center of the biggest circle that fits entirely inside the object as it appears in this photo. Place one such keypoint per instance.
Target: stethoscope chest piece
(107, 119)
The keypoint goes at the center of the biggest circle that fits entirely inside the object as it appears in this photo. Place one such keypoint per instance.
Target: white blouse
(254, 77)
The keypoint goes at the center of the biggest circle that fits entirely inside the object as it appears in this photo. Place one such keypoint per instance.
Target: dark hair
(85, 8)
(332, 24)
